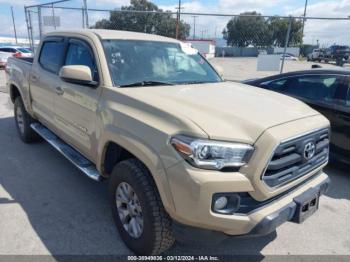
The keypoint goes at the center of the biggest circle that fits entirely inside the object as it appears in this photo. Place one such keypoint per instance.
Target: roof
(337, 70)
(201, 40)
(11, 46)
(117, 34)
(315, 71)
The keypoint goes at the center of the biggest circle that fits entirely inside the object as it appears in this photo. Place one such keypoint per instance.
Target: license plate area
(307, 204)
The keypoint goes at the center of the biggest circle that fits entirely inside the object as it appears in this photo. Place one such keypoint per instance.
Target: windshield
(133, 63)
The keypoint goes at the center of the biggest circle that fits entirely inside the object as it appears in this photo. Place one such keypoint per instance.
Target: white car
(315, 55)
(3, 59)
(289, 57)
(17, 51)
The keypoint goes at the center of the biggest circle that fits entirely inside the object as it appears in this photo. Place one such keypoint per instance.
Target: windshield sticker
(188, 49)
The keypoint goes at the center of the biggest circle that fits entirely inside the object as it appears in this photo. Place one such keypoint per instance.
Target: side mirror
(219, 70)
(77, 74)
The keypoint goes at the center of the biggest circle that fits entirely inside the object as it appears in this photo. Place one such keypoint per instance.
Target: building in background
(205, 46)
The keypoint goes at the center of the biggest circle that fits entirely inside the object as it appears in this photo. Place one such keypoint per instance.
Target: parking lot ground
(47, 207)
(242, 68)
(2, 81)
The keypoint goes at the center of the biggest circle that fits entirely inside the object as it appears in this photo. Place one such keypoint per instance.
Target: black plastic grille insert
(289, 162)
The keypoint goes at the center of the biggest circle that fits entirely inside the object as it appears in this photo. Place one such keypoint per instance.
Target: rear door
(44, 78)
(76, 106)
(341, 123)
(325, 93)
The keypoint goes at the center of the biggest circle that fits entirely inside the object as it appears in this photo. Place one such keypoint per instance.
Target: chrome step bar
(85, 165)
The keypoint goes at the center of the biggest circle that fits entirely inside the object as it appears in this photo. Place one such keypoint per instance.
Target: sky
(325, 31)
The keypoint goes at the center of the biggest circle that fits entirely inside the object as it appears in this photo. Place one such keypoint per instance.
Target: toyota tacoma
(187, 155)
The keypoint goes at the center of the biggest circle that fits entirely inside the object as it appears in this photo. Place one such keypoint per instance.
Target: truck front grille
(297, 157)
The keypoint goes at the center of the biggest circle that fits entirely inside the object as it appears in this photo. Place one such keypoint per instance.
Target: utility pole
(302, 32)
(178, 20)
(286, 43)
(53, 16)
(14, 25)
(86, 15)
(194, 26)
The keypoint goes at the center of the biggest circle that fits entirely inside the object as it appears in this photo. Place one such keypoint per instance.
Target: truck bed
(26, 59)
(19, 73)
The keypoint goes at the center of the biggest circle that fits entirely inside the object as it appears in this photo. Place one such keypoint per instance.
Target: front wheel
(23, 121)
(138, 212)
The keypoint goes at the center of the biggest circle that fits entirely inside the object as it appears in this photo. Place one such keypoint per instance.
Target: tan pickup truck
(188, 156)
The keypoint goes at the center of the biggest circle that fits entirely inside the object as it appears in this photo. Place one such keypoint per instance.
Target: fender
(145, 153)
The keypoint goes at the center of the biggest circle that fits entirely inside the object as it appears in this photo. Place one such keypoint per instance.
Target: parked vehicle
(339, 54)
(315, 55)
(3, 59)
(288, 56)
(327, 91)
(16, 51)
(187, 155)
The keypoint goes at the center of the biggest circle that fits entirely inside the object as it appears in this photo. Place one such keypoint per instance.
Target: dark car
(340, 50)
(16, 51)
(338, 53)
(327, 91)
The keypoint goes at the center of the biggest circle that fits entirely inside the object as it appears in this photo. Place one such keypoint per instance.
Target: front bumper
(193, 189)
(267, 225)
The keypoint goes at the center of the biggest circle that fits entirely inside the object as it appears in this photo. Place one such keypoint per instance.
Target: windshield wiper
(148, 83)
(197, 82)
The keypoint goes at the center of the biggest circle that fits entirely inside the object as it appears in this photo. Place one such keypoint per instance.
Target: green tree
(248, 29)
(279, 28)
(251, 29)
(160, 23)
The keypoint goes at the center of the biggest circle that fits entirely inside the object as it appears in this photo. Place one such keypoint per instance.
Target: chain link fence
(243, 36)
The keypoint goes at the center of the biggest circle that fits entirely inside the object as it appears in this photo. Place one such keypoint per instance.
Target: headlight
(209, 154)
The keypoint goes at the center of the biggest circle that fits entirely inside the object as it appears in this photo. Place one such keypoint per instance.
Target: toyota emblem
(309, 150)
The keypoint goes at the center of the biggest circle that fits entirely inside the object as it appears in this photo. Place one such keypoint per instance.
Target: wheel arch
(113, 151)
(14, 92)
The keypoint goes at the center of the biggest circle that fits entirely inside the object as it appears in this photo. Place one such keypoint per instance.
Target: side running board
(85, 165)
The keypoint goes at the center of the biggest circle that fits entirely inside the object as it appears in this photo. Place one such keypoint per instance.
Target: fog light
(220, 203)
(225, 203)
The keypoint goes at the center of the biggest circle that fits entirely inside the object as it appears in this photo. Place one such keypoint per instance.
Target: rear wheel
(23, 122)
(137, 209)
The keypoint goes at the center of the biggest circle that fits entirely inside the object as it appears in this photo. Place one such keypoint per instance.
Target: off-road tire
(157, 234)
(26, 133)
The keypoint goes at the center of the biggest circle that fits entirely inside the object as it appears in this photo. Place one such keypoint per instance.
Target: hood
(226, 110)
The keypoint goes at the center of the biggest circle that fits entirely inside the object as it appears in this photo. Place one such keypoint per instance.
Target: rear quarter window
(51, 56)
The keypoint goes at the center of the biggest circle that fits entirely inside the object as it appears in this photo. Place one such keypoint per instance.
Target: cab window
(80, 54)
(51, 56)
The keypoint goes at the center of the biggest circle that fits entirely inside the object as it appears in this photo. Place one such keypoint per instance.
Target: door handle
(59, 91)
(34, 78)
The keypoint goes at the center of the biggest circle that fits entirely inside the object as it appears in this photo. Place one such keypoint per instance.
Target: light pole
(86, 14)
(194, 26)
(14, 25)
(178, 20)
(302, 35)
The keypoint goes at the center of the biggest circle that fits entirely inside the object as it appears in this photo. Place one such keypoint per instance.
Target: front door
(76, 106)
